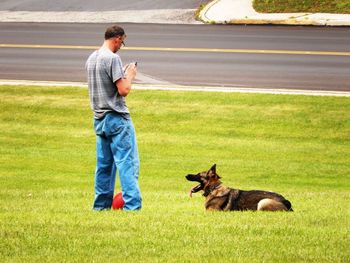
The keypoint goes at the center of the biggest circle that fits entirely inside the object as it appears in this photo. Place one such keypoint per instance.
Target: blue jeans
(116, 150)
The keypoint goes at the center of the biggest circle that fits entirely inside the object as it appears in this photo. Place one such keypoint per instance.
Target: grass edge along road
(295, 145)
(308, 6)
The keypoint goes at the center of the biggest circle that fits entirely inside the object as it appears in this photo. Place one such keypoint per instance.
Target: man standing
(116, 146)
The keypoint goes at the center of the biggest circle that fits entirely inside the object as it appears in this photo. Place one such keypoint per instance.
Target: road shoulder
(160, 16)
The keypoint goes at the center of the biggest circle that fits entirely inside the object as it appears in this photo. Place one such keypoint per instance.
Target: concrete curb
(242, 12)
(186, 88)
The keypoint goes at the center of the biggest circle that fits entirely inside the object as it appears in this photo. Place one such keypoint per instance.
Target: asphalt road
(202, 66)
(101, 5)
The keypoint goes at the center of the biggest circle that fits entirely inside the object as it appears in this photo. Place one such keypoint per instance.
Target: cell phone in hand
(135, 63)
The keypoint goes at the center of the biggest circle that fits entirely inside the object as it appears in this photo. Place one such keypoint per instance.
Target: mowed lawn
(298, 146)
(295, 6)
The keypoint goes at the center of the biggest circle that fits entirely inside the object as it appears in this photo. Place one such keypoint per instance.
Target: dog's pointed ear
(213, 169)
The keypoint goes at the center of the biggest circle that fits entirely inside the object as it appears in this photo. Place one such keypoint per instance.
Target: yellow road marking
(170, 49)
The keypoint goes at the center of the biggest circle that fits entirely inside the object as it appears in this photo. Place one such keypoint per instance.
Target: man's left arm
(124, 84)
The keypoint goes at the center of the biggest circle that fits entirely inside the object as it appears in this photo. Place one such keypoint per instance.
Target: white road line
(171, 87)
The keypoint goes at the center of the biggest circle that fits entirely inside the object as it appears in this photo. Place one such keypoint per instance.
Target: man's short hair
(114, 31)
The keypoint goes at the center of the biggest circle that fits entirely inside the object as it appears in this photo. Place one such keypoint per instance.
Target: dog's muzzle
(194, 177)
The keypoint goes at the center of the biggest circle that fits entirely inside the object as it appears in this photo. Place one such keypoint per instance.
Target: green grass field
(298, 146)
(295, 6)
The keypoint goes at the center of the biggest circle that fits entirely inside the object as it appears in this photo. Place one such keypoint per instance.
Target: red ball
(118, 202)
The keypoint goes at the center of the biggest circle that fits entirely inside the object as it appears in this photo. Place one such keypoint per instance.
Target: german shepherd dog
(219, 197)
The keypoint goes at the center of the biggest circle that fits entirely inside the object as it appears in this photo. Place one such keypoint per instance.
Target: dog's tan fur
(219, 197)
(271, 205)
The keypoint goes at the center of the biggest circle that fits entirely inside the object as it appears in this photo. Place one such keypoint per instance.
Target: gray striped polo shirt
(104, 68)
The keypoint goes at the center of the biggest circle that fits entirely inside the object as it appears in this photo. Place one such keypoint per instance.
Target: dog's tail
(288, 205)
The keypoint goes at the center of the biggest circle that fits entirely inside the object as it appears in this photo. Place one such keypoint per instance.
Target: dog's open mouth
(195, 189)
(195, 177)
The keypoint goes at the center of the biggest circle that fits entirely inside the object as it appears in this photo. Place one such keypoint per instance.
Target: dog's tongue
(193, 190)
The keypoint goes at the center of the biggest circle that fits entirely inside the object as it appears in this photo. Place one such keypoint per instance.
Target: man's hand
(124, 84)
(131, 71)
